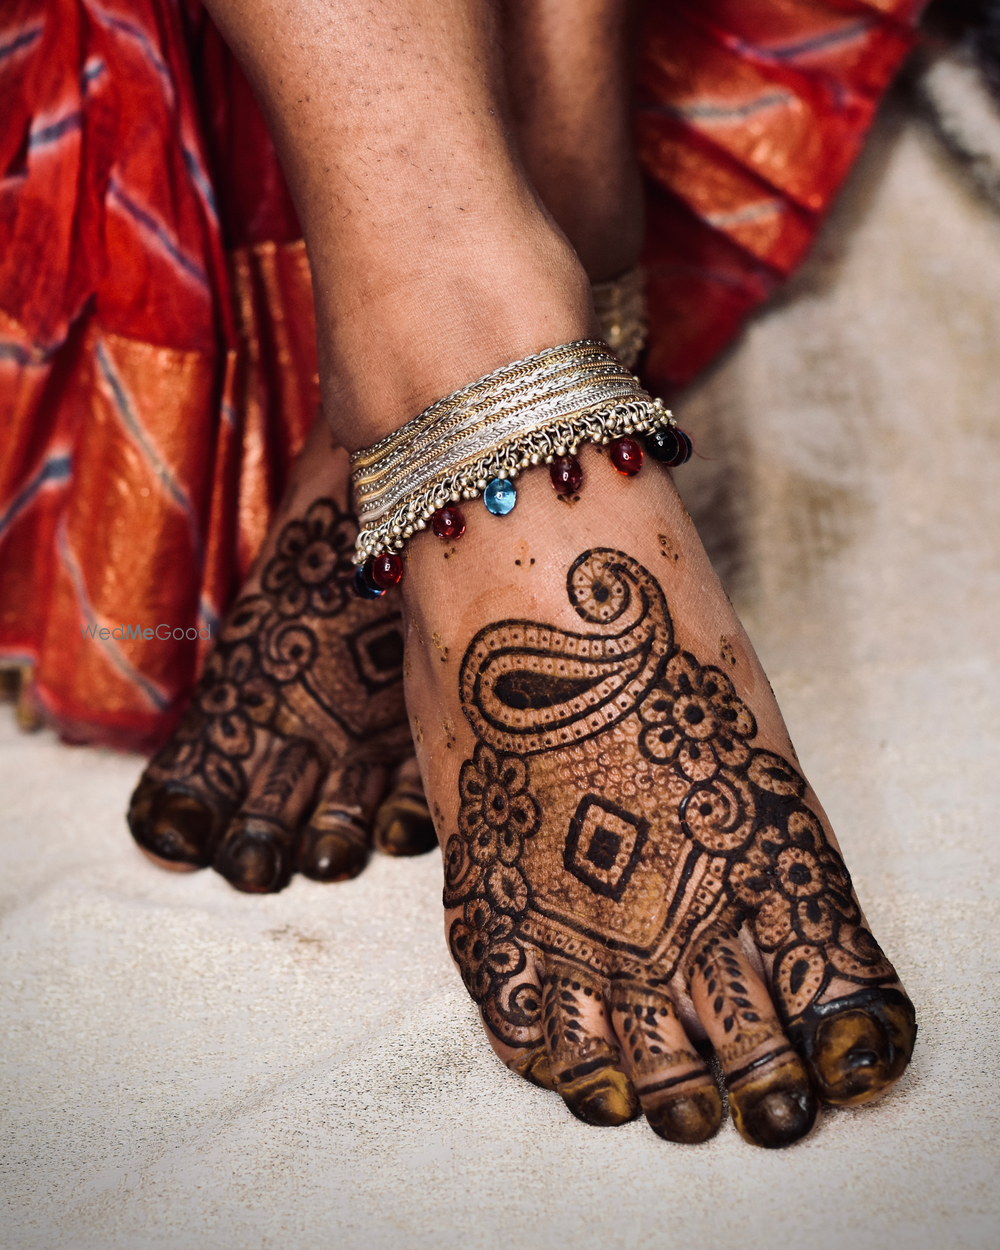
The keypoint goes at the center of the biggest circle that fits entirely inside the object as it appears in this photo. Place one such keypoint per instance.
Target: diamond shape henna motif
(377, 652)
(709, 827)
(603, 845)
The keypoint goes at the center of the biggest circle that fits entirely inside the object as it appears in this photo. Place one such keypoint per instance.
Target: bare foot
(632, 854)
(634, 861)
(294, 754)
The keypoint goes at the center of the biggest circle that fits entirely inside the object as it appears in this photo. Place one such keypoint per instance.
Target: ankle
(478, 304)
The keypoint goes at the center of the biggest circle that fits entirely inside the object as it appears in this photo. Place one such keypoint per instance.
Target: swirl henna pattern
(618, 825)
(305, 681)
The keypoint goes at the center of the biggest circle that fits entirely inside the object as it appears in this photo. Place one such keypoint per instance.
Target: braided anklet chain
(476, 440)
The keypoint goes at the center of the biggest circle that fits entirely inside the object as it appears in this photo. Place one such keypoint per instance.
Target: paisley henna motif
(617, 810)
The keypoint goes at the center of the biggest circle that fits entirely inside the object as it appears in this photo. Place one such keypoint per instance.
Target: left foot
(294, 753)
(633, 859)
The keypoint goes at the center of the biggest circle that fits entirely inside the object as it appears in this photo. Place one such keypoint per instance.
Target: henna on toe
(403, 824)
(281, 760)
(858, 1046)
(678, 1093)
(622, 825)
(255, 854)
(584, 1057)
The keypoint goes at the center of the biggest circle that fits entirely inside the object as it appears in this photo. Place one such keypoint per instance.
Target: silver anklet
(476, 440)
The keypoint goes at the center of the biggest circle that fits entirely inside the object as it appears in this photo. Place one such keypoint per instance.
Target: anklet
(475, 442)
(621, 310)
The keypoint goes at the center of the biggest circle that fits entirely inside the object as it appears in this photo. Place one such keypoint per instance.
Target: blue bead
(362, 587)
(500, 496)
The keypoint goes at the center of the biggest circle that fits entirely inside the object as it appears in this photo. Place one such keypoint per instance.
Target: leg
(570, 69)
(661, 869)
(181, 815)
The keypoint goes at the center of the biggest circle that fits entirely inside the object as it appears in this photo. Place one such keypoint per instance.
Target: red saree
(157, 347)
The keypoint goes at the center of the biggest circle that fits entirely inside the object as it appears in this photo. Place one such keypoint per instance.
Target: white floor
(187, 1067)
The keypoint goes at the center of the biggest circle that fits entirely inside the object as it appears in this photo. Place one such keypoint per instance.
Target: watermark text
(124, 633)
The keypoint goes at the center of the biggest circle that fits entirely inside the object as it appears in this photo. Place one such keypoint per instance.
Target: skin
(567, 67)
(616, 895)
(623, 883)
(295, 752)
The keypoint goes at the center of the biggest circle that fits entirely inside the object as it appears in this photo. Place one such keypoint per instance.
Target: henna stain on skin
(667, 548)
(726, 652)
(300, 698)
(618, 825)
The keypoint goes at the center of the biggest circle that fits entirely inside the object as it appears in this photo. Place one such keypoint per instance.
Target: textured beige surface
(186, 1067)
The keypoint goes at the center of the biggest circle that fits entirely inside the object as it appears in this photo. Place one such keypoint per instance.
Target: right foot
(634, 863)
(296, 733)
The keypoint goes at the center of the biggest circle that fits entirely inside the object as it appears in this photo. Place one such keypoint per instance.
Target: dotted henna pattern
(303, 660)
(616, 812)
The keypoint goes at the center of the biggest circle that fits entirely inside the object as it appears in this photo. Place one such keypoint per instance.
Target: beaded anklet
(478, 439)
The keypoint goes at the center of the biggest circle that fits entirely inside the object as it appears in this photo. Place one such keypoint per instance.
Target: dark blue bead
(363, 588)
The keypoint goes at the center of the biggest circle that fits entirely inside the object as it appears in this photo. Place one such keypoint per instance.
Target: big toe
(858, 1046)
(173, 824)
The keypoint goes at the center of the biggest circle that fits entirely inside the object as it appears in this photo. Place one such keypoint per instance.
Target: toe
(335, 843)
(174, 824)
(255, 854)
(403, 824)
(678, 1093)
(771, 1099)
(333, 847)
(857, 1046)
(584, 1056)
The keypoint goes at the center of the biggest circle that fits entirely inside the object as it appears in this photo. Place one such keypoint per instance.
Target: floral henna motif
(616, 814)
(302, 660)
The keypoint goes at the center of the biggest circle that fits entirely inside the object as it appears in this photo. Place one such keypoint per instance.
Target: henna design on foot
(619, 824)
(303, 690)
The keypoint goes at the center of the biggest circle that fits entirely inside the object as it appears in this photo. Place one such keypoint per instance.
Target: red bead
(448, 523)
(386, 570)
(626, 456)
(566, 474)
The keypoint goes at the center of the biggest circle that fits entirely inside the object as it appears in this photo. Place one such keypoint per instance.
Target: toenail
(173, 825)
(251, 858)
(404, 827)
(859, 1046)
(854, 1058)
(325, 855)
(604, 1098)
(776, 1109)
(689, 1118)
